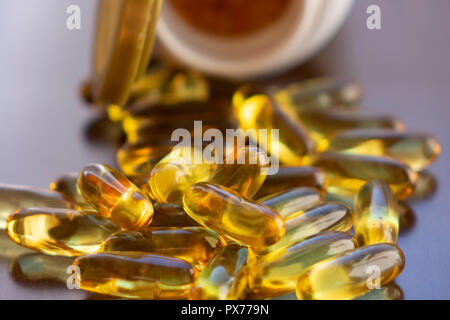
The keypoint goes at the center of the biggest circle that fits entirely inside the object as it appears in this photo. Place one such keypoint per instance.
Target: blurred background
(46, 129)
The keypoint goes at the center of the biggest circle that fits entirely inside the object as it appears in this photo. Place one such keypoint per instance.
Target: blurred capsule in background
(41, 269)
(259, 115)
(101, 131)
(66, 184)
(176, 172)
(351, 274)
(289, 177)
(325, 217)
(225, 278)
(320, 94)
(389, 292)
(346, 174)
(171, 215)
(195, 245)
(114, 196)
(13, 197)
(426, 187)
(375, 218)
(243, 171)
(276, 273)
(322, 126)
(229, 214)
(59, 231)
(136, 275)
(293, 202)
(415, 149)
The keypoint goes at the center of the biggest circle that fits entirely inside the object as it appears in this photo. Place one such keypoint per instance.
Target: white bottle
(293, 39)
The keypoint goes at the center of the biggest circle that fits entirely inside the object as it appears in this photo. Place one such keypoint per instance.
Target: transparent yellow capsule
(375, 217)
(228, 213)
(114, 196)
(322, 126)
(415, 149)
(293, 202)
(292, 177)
(176, 172)
(389, 292)
(243, 171)
(325, 217)
(66, 184)
(139, 159)
(346, 174)
(351, 274)
(195, 245)
(225, 278)
(171, 215)
(259, 115)
(276, 273)
(135, 275)
(14, 197)
(42, 268)
(61, 232)
(320, 94)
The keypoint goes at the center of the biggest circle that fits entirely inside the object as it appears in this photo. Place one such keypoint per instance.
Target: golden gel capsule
(171, 215)
(176, 172)
(389, 292)
(61, 232)
(243, 171)
(351, 274)
(115, 197)
(228, 213)
(276, 273)
(42, 268)
(416, 150)
(293, 202)
(292, 177)
(139, 159)
(225, 278)
(259, 115)
(322, 126)
(67, 185)
(320, 94)
(195, 245)
(14, 197)
(346, 174)
(426, 187)
(376, 217)
(136, 275)
(325, 217)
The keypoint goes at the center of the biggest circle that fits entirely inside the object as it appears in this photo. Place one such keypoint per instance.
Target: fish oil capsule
(346, 174)
(14, 197)
(325, 217)
(136, 275)
(61, 232)
(228, 213)
(170, 178)
(225, 278)
(389, 292)
(320, 94)
(259, 115)
(293, 202)
(416, 150)
(193, 244)
(351, 274)
(322, 126)
(139, 159)
(67, 185)
(426, 187)
(41, 268)
(243, 171)
(276, 273)
(171, 215)
(376, 217)
(289, 177)
(115, 197)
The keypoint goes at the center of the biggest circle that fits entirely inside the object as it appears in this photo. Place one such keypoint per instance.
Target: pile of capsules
(167, 227)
